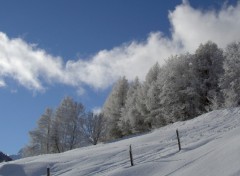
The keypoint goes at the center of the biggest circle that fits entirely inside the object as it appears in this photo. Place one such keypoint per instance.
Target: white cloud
(27, 64)
(192, 26)
(130, 60)
(34, 69)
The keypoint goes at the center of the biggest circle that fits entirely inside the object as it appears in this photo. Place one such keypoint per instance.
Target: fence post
(48, 171)
(131, 157)
(179, 143)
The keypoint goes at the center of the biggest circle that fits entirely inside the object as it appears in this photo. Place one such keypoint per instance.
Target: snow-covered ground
(210, 147)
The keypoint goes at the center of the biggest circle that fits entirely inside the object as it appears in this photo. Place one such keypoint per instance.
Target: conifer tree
(208, 69)
(113, 108)
(130, 114)
(230, 82)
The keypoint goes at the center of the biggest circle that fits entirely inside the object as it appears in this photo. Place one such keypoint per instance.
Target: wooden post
(131, 157)
(179, 143)
(48, 171)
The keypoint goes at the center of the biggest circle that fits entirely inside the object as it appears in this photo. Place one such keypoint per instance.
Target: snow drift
(210, 146)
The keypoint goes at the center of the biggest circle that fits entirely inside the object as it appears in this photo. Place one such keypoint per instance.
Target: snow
(210, 147)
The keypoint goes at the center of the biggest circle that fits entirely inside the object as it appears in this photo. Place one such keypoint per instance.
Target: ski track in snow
(154, 153)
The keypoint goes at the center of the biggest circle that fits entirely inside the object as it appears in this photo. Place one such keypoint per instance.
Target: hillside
(210, 146)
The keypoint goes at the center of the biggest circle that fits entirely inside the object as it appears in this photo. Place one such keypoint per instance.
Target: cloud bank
(35, 69)
(192, 26)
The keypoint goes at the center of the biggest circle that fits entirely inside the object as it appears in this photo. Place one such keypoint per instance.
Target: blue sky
(78, 48)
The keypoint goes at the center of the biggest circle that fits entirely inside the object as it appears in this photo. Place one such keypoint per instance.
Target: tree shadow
(12, 170)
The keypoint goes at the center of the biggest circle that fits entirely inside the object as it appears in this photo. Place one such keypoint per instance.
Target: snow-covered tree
(230, 81)
(113, 107)
(153, 91)
(129, 118)
(142, 124)
(208, 68)
(92, 127)
(152, 74)
(147, 100)
(66, 125)
(179, 100)
(41, 136)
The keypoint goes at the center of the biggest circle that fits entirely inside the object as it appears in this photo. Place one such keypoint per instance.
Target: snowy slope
(210, 147)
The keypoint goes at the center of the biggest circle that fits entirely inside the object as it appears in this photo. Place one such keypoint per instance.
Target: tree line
(66, 128)
(186, 86)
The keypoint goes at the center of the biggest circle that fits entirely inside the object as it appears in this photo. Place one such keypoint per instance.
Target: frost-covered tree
(67, 128)
(92, 127)
(153, 91)
(152, 74)
(66, 125)
(179, 99)
(230, 81)
(208, 68)
(147, 100)
(142, 122)
(41, 136)
(113, 107)
(129, 120)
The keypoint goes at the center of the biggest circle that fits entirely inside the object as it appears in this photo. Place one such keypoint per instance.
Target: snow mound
(210, 146)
